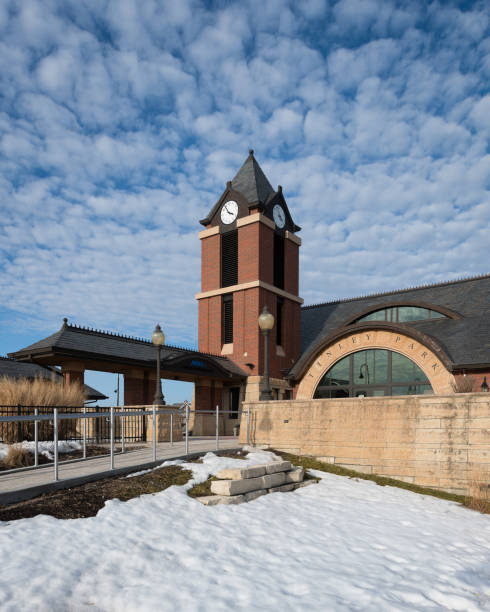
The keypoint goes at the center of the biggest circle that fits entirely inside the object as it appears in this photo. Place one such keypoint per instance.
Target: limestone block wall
(434, 441)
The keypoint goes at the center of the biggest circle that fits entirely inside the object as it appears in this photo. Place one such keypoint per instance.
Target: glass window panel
(364, 367)
(323, 392)
(380, 366)
(403, 314)
(400, 391)
(338, 375)
(405, 370)
(412, 313)
(379, 315)
(436, 315)
(378, 392)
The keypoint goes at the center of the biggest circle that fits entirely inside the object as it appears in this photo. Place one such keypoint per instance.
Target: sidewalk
(19, 486)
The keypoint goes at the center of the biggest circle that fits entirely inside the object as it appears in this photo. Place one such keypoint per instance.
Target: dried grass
(478, 497)
(39, 392)
(464, 384)
(17, 457)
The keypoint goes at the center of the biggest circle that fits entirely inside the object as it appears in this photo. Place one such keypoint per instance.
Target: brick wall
(210, 263)
(434, 441)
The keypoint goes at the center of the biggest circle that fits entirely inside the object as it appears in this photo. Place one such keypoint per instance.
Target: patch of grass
(86, 500)
(202, 489)
(383, 481)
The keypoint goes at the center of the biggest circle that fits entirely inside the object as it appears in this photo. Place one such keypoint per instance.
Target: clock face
(229, 212)
(279, 216)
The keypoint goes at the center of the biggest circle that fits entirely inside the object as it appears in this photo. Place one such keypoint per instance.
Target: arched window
(402, 314)
(373, 372)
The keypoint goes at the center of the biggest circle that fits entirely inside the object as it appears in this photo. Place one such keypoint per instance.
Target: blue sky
(121, 121)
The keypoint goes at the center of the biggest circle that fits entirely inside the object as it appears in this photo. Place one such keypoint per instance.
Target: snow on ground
(44, 448)
(340, 545)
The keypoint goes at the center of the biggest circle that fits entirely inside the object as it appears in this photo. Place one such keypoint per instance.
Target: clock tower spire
(249, 258)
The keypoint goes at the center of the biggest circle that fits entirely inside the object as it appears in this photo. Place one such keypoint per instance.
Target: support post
(217, 427)
(85, 432)
(154, 432)
(187, 429)
(123, 432)
(112, 437)
(55, 439)
(171, 429)
(36, 438)
(248, 425)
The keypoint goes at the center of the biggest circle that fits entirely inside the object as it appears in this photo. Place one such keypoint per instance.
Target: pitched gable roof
(251, 181)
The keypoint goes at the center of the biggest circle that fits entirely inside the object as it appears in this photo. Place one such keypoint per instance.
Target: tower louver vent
(228, 319)
(229, 258)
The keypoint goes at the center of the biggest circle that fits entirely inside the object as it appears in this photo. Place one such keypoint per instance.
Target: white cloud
(122, 121)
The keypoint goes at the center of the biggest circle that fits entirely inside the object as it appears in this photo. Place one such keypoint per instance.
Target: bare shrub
(464, 384)
(17, 457)
(478, 497)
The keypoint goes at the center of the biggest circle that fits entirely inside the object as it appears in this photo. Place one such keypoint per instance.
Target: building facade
(433, 339)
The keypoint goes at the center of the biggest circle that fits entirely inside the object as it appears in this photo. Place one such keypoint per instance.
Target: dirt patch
(86, 500)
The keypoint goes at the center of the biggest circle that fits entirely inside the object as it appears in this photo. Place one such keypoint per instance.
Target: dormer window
(402, 314)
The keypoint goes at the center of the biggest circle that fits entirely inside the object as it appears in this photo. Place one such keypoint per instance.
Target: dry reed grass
(464, 384)
(478, 497)
(17, 457)
(39, 392)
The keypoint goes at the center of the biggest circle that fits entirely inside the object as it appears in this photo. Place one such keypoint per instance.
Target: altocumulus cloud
(120, 122)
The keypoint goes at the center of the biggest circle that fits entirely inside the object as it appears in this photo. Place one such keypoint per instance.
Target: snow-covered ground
(43, 448)
(340, 545)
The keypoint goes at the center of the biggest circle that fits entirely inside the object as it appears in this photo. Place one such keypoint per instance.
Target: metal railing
(59, 415)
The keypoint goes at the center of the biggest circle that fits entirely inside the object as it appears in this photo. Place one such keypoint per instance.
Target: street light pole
(158, 338)
(266, 323)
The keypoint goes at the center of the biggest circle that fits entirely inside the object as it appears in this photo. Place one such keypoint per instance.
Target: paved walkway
(24, 485)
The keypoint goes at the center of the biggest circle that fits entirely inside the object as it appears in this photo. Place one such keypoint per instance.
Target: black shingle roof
(72, 340)
(466, 340)
(251, 182)
(16, 369)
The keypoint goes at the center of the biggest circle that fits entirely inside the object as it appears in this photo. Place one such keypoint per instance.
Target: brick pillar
(73, 374)
(135, 390)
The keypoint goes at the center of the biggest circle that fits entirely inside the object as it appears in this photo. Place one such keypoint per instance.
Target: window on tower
(279, 261)
(228, 318)
(229, 258)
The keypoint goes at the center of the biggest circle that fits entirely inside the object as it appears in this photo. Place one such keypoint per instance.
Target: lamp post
(266, 323)
(158, 338)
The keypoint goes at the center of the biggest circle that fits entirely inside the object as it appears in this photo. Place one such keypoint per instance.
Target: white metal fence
(113, 413)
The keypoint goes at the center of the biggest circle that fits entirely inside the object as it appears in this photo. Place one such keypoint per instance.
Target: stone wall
(435, 441)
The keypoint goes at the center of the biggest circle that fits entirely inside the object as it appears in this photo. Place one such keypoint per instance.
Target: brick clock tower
(249, 260)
